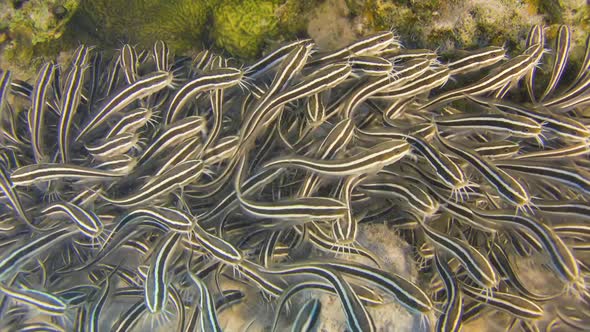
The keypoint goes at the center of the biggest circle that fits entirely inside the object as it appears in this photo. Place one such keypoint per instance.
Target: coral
(294, 16)
(242, 26)
(39, 20)
(32, 29)
(450, 24)
(25, 24)
(182, 23)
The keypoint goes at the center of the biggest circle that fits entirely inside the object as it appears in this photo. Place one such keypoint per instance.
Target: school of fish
(174, 187)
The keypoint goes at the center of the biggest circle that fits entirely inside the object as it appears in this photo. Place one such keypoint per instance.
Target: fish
(143, 87)
(154, 181)
(369, 161)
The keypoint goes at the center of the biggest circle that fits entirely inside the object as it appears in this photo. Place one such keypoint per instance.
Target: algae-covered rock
(25, 24)
(182, 23)
(452, 24)
(35, 29)
(239, 27)
(242, 26)
(39, 20)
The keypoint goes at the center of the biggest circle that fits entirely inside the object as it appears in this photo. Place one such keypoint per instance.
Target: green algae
(182, 23)
(242, 27)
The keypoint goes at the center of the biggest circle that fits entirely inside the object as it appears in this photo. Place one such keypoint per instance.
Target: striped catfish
(129, 63)
(447, 170)
(88, 222)
(124, 164)
(217, 246)
(416, 196)
(405, 291)
(536, 36)
(368, 87)
(307, 316)
(38, 173)
(182, 153)
(506, 268)
(571, 151)
(112, 147)
(365, 46)
(357, 316)
(429, 80)
(371, 160)
(296, 209)
(130, 317)
(178, 132)
(511, 304)
(273, 58)
(371, 65)
(208, 320)
(216, 100)
(5, 86)
(315, 110)
(7, 187)
(346, 228)
(567, 208)
(400, 54)
(508, 187)
(365, 294)
(161, 54)
(498, 150)
(570, 176)
(173, 219)
(288, 68)
(334, 142)
(143, 87)
(509, 71)
(558, 124)
(43, 301)
(11, 261)
(562, 50)
(477, 60)
(156, 283)
(583, 71)
(322, 79)
(130, 122)
(97, 307)
(516, 125)
(560, 255)
(176, 178)
(37, 111)
(477, 266)
(450, 319)
(68, 108)
(395, 109)
(224, 149)
(217, 79)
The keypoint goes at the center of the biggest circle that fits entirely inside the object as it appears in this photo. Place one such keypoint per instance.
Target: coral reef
(182, 23)
(25, 24)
